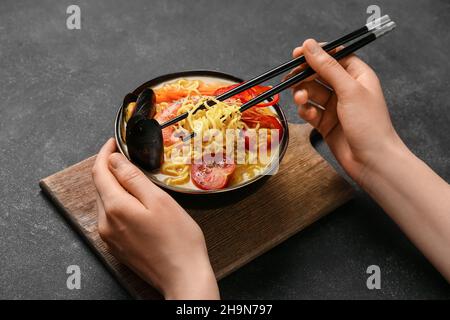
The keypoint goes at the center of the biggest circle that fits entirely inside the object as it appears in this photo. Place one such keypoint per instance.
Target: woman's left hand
(148, 231)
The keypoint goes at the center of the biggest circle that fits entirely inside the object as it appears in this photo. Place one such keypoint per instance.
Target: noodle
(209, 122)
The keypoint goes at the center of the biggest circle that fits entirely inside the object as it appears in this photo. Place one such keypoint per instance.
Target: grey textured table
(60, 90)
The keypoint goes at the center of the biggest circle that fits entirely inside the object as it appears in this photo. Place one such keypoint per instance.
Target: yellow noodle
(220, 117)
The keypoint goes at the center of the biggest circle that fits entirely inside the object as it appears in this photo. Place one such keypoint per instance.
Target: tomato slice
(257, 90)
(249, 94)
(275, 100)
(253, 117)
(212, 175)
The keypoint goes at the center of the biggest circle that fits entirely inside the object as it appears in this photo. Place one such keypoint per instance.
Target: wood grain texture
(238, 226)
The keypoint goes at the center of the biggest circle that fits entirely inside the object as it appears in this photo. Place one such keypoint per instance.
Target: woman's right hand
(356, 123)
(358, 130)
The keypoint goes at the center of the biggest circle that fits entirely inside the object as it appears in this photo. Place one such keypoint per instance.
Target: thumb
(327, 67)
(133, 179)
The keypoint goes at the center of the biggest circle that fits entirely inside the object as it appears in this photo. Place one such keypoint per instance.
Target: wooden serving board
(238, 226)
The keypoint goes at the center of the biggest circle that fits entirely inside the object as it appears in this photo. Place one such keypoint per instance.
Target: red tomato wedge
(212, 175)
(252, 117)
(249, 94)
(257, 90)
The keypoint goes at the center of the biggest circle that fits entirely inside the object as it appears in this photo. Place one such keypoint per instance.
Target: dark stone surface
(60, 90)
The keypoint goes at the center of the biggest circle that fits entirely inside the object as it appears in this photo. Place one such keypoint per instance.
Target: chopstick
(370, 28)
(301, 59)
(371, 36)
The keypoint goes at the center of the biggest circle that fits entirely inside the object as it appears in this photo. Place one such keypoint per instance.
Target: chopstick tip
(377, 23)
(384, 29)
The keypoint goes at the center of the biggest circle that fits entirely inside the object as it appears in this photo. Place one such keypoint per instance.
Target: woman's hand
(358, 130)
(356, 123)
(149, 232)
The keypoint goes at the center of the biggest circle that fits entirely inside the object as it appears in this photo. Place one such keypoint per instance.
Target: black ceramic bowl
(198, 74)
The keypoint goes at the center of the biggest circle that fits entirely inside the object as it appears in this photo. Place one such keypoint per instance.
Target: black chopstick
(373, 35)
(369, 27)
(301, 59)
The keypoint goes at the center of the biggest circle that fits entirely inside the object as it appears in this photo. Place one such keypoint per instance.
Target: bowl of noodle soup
(228, 150)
